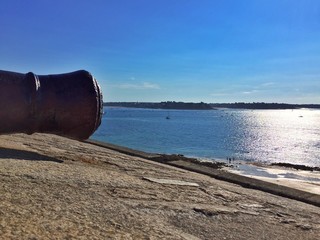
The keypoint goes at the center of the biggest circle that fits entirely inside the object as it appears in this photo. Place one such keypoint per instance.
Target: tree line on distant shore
(262, 105)
(162, 105)
(209, 106)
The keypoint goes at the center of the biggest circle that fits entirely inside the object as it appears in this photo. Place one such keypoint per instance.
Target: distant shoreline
(209, 106)
(162, 105)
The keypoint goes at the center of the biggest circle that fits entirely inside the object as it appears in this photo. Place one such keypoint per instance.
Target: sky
(214, 51)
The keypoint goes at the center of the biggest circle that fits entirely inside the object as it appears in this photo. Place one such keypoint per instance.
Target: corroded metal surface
(67, 104)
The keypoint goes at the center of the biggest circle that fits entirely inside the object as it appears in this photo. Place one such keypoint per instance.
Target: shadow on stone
(6, 153)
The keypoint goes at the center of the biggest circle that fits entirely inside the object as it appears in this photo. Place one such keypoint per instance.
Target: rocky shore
(56, 188)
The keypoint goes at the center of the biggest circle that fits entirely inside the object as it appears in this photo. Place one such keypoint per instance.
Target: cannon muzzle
(67, 104)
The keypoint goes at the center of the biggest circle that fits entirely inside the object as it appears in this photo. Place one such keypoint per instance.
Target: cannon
(68, 104)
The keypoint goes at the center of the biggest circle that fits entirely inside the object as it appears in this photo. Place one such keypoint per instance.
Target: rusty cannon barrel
(67, 104)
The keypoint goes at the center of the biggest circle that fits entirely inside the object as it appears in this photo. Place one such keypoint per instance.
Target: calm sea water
(258, 135)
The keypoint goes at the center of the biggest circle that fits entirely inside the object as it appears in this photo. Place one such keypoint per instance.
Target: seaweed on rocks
(166, 158)
(296, 166)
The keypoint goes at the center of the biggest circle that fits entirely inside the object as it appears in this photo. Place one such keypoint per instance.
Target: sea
(266, 136)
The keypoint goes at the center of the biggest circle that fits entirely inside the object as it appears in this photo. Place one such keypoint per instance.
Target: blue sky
(179, 50)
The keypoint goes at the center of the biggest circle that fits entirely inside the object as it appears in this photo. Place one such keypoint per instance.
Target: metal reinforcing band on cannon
(67, 104)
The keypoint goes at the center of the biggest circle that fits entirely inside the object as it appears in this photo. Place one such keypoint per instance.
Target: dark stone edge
(125, 150)
(194, 165)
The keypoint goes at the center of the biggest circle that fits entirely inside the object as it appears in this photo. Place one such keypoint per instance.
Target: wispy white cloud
(236, 90)
(267, 84)
(250, 92)
(141, 86)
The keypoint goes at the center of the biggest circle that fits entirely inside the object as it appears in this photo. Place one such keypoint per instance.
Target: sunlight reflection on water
(280, 135)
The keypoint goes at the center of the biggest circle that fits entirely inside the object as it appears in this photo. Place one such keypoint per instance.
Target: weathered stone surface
(53, 187)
